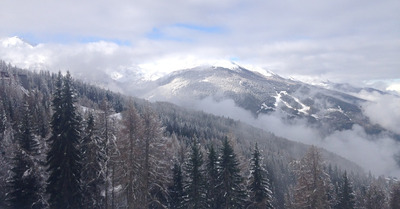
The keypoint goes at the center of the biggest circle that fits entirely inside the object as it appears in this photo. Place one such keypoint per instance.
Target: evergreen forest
(67, 144)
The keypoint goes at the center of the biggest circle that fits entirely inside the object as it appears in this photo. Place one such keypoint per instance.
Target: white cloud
(374, 153)
(382, 109)
(340, 40)
(394, 87)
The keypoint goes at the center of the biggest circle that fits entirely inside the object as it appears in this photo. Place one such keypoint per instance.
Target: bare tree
(132, 131)
(312, 188)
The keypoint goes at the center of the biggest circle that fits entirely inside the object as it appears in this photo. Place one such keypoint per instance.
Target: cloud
(382, 109)
(394, 87)
(374, 153)
(351, 41)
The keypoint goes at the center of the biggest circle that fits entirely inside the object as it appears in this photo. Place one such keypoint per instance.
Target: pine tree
(346, 198)
(230, 182)
(25, 135)
(25, 182)
(259, 188)
(195, 185)
(64, 157)
(212, 178)
(92, 181)
(176, 191)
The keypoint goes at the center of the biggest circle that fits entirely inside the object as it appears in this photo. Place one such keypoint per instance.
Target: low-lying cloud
(383, 109)
(374, 153)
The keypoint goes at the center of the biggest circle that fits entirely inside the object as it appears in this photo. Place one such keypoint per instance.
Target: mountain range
(322, 107)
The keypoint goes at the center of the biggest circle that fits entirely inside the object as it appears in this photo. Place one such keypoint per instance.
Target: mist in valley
(375, 153)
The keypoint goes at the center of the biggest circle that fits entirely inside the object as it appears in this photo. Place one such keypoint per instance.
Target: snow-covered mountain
(14, 42)
(323, 108)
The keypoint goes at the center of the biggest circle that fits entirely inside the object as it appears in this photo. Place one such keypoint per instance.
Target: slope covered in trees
(120, 152)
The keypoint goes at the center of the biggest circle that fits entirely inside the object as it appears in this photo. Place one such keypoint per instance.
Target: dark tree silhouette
(64, 157)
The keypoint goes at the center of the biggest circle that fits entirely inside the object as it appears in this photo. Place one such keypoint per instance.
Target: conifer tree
(259, 188)
(212, 178)
(346, 198)
(230, 182)
(375, 198)
(176, 191)
(25, 182)
(195, 185)
(92, 181)
(64, 157)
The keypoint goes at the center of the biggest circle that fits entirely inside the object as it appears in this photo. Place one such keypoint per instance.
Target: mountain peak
(14, 41)
(237, 67)
(225, 64)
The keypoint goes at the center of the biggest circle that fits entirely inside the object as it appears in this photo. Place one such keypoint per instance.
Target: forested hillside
(68, 144)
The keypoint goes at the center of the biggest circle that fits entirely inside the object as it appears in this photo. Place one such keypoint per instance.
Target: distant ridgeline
(126, 152)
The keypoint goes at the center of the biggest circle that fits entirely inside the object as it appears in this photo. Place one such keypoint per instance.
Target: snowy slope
(262, 94)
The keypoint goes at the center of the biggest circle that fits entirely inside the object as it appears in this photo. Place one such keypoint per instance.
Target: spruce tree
(25, 182)
(346, 198)
(64, 157)
(212, 178)
(195, 185)
(259, 189)
(230, 182)
(176, 191)
(92, 181)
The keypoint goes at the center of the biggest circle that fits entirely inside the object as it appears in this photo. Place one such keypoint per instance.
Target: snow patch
(27, 173)
(206, 80)
(116, 76)
(304, 108)
(265, 107)
(338, 109)
(116, 116)
(225, 64)
(173, 87)
(260, 70)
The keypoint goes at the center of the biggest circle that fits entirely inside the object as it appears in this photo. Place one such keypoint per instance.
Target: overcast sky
(343, 41)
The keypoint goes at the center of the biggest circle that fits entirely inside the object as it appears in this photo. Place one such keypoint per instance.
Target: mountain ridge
(261, 94)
